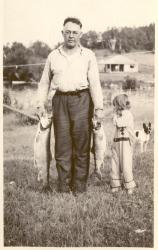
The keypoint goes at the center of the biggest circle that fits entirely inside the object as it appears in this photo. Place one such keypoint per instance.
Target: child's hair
(121, 102)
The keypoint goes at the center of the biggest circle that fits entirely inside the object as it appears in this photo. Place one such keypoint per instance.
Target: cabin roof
(116, 59)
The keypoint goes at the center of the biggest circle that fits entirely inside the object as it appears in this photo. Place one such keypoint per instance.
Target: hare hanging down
(43, 150)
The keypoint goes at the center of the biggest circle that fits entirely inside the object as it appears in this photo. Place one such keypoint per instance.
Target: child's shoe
(130, 190)
(114, 190)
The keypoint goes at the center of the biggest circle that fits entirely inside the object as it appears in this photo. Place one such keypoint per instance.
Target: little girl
(122, 147)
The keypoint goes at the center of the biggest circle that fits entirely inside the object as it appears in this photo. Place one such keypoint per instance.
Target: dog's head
(147, 128)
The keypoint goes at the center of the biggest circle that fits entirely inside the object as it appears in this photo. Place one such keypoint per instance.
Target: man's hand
(99, 115)
(40, 111)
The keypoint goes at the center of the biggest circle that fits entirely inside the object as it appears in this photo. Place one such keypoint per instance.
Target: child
(122, 145)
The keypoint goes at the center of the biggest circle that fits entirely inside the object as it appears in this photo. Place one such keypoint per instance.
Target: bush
(23, 120)
(6, 97)
(130, 83)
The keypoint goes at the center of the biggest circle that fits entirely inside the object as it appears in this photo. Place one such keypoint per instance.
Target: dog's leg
(145, 146)
(141, 147)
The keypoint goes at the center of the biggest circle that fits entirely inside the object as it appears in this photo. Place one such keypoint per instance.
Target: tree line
(127, 39)
(124, 40)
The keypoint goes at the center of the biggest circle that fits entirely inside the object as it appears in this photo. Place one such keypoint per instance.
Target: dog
(143, 136)
(99, 147)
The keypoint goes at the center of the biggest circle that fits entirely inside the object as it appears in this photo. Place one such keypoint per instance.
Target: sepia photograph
(78, 123)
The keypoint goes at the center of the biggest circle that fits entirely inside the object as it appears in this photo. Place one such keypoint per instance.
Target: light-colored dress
(122, 151)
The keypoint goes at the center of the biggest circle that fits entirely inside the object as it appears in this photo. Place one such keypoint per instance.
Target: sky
(27, 21)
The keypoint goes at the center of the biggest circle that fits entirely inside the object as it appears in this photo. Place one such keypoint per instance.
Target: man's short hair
(73, 20)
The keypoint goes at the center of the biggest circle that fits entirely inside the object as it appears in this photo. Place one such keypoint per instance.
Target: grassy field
(95, 219)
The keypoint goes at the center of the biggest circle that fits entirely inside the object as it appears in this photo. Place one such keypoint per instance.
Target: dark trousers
(72, 128)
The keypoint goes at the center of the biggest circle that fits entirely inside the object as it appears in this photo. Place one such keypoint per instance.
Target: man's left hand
(99, 115)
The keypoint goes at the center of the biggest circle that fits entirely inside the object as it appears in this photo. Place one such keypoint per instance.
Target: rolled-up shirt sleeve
(44, 84)
(94, 83)
(114, 120)
(126, 120)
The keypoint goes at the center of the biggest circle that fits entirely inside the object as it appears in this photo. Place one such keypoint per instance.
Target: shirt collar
(61, 50)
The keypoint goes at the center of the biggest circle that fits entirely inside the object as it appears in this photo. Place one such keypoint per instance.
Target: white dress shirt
(70, 73)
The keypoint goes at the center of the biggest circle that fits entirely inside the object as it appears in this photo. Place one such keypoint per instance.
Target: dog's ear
(144, 125)
(149, 124)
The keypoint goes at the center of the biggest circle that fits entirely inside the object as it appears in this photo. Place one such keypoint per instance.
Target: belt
(121, 139)
(76, 92)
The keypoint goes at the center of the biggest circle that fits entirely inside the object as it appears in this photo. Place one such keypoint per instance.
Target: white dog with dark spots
(143, 136)
(99, 147)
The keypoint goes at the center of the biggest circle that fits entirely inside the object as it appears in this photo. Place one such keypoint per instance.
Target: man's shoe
(63, 189)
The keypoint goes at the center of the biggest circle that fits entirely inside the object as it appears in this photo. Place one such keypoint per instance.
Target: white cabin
(117, 64)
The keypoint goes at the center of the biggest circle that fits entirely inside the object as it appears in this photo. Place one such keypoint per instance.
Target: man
(72, 71)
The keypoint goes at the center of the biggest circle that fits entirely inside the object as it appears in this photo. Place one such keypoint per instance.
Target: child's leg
(115, 175)
(127, 154)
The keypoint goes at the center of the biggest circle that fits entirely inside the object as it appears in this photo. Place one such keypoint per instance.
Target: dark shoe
(76, 193)
(46, 189)
(96, 175)
(79, 189)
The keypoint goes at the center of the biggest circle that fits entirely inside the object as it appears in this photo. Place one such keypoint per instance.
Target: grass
(143, 58)
(95, 219)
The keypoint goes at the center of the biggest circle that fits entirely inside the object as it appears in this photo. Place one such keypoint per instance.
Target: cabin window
(107, 68)
(121, 67)
(114, 67)
(132, 66)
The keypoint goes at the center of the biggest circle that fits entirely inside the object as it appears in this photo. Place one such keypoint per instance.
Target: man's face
(71, 33)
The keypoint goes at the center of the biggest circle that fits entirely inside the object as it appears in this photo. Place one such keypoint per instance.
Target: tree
(85, 41)
(18, 54)
(40, 49)
(15, 55)
(130, 83)
(89, 39)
